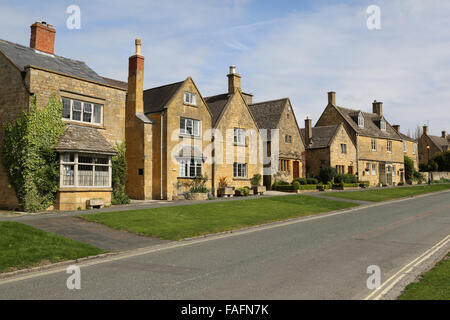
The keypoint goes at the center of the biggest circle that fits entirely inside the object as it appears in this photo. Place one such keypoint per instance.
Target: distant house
(429, 145)
(328, 146)
(288, 157)
(93, 109)
(379, 157)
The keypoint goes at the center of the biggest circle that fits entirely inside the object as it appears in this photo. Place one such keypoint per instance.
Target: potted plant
(224, 190)
(256, 181)
(241, 192)
(198, 190)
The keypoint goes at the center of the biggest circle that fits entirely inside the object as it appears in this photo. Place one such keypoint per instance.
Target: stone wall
(347, 159)
(14, 98)
(76, 199)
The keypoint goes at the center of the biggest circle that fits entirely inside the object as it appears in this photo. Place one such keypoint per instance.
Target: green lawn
(383, 194)
(433, 285)
(22, 246)
(180, 222)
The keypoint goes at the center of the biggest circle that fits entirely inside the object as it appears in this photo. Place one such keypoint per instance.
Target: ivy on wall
(29, 157)
(119, 175)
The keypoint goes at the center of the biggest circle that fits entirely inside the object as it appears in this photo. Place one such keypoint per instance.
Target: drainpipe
(357, 157)
(161, 166)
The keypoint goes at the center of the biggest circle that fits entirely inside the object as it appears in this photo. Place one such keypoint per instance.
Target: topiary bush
(28, 154)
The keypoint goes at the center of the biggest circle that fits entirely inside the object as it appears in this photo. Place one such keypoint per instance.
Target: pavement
(318, 257)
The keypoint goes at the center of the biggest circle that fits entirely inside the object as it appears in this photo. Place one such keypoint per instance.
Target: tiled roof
(216, 104)
(268, 113)
(116, 83)
(84, 139)
(23, 56)
(321, 136)
(405, 137)
(440, 142)
(155, 99)
(371, 124)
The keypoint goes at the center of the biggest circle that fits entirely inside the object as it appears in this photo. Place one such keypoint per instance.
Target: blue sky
(297, 49)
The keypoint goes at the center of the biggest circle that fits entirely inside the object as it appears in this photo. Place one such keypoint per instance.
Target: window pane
(85, 175)
(182, 125)
(68, 175)
(76, 112)
(68, 157)
(189, 126)
(66, 108)
(192, 169)
(101, 176)
(87, 112)
(196, 128)
(84, 159)
(101, 160)
(194, 98)
(97, 113)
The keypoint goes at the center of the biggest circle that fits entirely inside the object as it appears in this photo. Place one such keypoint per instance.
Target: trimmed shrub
(296, 185)
(285, 188)
(256, 179)
(312, 181)
(327, 174)
(302, 181)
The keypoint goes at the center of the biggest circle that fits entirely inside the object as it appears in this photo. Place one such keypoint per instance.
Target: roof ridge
(165, 85)
(267, 101)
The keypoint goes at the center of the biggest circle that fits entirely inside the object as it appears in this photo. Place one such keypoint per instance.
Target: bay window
(85, 170)
(190, 168)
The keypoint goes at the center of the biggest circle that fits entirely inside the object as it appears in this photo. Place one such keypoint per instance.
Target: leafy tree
(29, 157)
(119, 175)
(327, 174)
(409, 168)
(442, 161)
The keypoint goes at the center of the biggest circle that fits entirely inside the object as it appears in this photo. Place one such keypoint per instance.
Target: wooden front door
(296, 169)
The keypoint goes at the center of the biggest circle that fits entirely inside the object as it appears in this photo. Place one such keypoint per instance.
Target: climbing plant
(29, 157)
(119, 175)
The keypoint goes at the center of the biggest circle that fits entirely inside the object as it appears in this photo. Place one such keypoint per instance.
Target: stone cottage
(429, 145)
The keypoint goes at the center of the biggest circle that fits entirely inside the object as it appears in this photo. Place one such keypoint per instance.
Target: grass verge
(22, 246)
(384, 194)
(432, 285)
(178, 222)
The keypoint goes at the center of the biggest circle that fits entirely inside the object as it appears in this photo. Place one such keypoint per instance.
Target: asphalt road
(324, 258)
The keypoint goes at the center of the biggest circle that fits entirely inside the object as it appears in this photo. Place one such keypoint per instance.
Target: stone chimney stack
(234, 81)
(425, 130)
(377, 107)
(444, 134)
(332, 98)
(396, 127)
(308, 132)
(43, 37)
(135, 101)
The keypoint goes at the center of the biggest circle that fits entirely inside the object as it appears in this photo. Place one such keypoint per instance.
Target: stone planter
(196, 196)
(259, 189)
(225, 192)
(239, 193)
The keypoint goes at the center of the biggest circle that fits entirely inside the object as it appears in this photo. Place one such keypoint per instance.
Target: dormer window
(190, 98)
(361, 120)
(383, 124)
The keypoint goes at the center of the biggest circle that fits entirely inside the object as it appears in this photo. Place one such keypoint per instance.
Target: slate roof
(23, 56)
(216, 104)
(321, 136)
(155, 99)
(84, 139)
(441, 143)
(268, 113)
(405, 137)
(116, 83)
(371, 124)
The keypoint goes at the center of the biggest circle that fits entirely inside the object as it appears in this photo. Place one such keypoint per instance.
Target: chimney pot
(444, 134)
(332, 97)
(135, 103)
(308, 132)
(234, 80)
(42, 37)
(425, 130)
(138, 46)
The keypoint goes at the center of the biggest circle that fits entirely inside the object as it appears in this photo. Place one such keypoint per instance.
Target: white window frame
(374, 169)
(239, 136)
(414, 148)
(389, 147)
(374, 144)
(404, 147)
(368, 166)
(361, 120)
(76, 177)
(190, 98)
(185, 165)
(240, 170)
(84, 105)
(383, 125)
(194, 124)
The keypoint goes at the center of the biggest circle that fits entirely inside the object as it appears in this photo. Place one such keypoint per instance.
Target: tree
(442, 160)
(327, 174)
(29, 157)
(119, 175)
(409, 168)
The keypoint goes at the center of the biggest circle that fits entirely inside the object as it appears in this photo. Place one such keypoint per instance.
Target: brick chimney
(308, 132)
(234, 81)
(135, 101)
(444, 134)
(377, 107)
(396, 127)
(332, 98)
(43, 37)
(425, 130)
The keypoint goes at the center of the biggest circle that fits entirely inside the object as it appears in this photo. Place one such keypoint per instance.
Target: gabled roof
(268, 113)
(405, 137)
(116, 83)
(371, 124)
(216, 104)
(441, 143)
(84, 139)
(22, 57)
(321, 136)
(155, 99)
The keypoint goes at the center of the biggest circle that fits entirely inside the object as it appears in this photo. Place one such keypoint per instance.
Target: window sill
(190, 104)
(239, 144)
(189, 136)
(85, 124)
(84, 189)
(241, 179)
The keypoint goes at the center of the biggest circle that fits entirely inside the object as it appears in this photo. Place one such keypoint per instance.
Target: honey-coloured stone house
(93, 109)
(410, 146)
(379, 148)
(430, 145)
